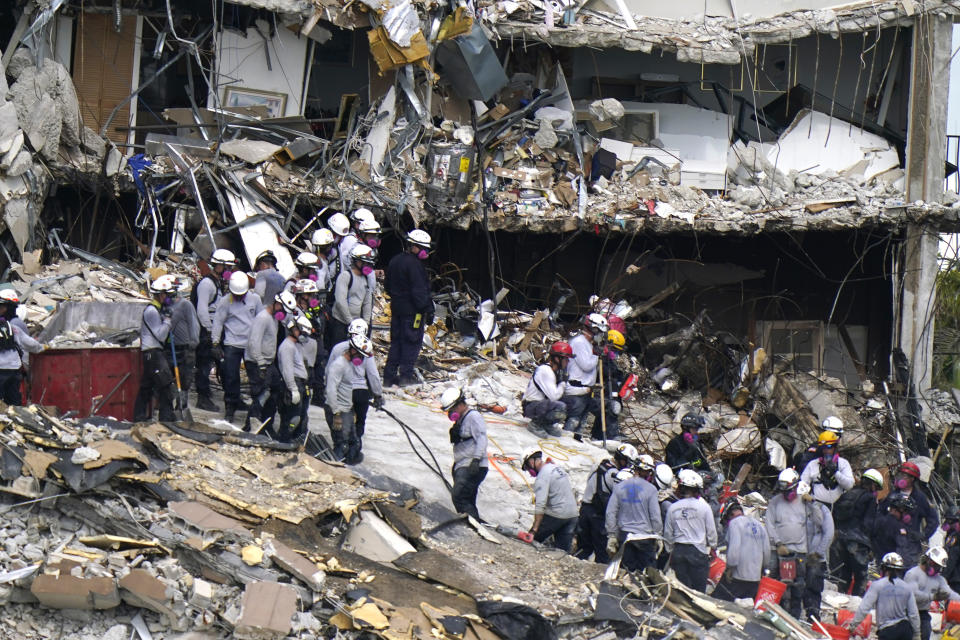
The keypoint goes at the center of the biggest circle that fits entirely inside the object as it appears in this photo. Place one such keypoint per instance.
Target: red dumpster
(81, 379)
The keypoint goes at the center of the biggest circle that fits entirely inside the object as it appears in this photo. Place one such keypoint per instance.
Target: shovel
(183, 405)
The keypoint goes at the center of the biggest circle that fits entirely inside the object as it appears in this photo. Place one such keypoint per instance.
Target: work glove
(612, 544)
(295, 396)
(337, 422)
(475, 466)
(814, 558)
(378, 402)
(216, 352)
(782, 550)
(808, 497)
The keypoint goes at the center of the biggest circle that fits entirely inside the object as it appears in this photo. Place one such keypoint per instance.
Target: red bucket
(770, 590)
(836, 631)
(717, 567)
(862, 631)
(953, 612)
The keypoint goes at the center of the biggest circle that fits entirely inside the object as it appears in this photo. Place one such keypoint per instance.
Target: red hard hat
(910, 469)
(561, 349)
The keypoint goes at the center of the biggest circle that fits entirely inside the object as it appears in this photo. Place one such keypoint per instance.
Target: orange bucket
(770, 590)
(844, 616)
(717, 567)
(953, 612)
(836, 631)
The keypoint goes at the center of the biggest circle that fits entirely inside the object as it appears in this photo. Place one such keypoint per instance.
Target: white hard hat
(597, 322)
(451, 398)
(239, 283)
(529, 453)
(646, 462)
(892, 561)
(9, 295)
(307, 259)
(788, 477)
(362, 214)
(938, 555)
(690, 478)
(875, 476)
(224, 257)
(339, 224)
(306, 285)
(358, 327)
(288, 300)
(304, 323)
(623, 474)
(165, 284)
(663, 475)
(362, 344)
(420, 238)
(362, 252)
(834, 424)
(368, 226)
(628, 451)
(322, 237)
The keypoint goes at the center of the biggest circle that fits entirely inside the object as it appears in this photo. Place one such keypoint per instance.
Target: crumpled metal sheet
(402, 23)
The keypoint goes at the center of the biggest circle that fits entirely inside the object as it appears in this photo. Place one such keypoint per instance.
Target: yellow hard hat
(827, 437)
(616, 339)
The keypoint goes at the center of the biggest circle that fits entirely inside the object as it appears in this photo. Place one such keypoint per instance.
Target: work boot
(391, 381)
(243, 406)
(537, 431)
(553, 430)
(408, 381)
(205, 403)
(228, 415)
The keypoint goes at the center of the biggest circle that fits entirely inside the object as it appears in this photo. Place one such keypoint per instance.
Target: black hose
(435, 467)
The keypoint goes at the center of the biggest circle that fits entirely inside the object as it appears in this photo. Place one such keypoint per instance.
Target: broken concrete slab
(298, 566)
(141, 589)
(71, 592)
(207, 520)
(371, 537)
(266, 611)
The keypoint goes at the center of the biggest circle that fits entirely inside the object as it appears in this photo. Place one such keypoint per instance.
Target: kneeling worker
(469, 438)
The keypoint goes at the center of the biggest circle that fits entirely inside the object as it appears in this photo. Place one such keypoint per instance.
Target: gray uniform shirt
(553, 494)
(309, 349)
(894, 602)
(153, 329)
(474, 427)
(290, 363)
(925, 587)
(234, 319)
(268, 284)
(339, 385)
(748, 548)
(690, 521)
(262, 344)
(344, 248)
(606, 484)
(819, 529)
(10, 358)
(634, 508)
(208, 295)
(353, 298)
(365, 376)
(543, 385)
(184, 324)
(787, 522)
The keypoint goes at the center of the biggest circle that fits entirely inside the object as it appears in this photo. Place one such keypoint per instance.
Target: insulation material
(816, 143)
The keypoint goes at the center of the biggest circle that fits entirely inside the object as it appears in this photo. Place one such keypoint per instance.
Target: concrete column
(926, 153)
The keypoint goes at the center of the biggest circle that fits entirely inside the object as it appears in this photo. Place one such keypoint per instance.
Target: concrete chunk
(266, 611)
(140, 589)
(70, 592)
(298, 566)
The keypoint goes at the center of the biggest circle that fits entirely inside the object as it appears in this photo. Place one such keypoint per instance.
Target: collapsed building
(756, 190)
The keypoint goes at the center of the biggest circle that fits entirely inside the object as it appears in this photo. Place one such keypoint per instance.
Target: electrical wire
(431, 464)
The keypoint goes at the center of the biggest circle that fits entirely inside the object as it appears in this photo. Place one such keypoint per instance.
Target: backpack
(844, 509)
(7, 339)
(193, 290)
(456, 437)
(601, 496)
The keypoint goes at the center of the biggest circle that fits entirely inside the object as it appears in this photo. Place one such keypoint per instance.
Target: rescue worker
(358, 217)
(542, 400)
(684, 451)
(269, 282)
(690, 532)
(411, 308)
(185, 335)
(353, 296)
(582, 371)
(341, 373)
(310, 348)
(801, 529)
(612, 381)
(369, 233)
(591, 536)
(555, 506)
(748, 552)
(832, 424)
(468, 435)
(920, 522)
(633, 519)
(293, 373)
(663, 479)
(310, 302)
(231, 328)
(323, 242)
(951, 542)
(367, 384)
(828, 474)
(306, 264)
(929, 585)
(205, 296)
(156, 378)
(344, 239)
(897, 616)
(891, 533)
(259, 357)
(854, 517)
(14, 340)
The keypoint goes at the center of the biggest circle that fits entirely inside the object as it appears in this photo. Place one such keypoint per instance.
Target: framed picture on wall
(274, 101)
